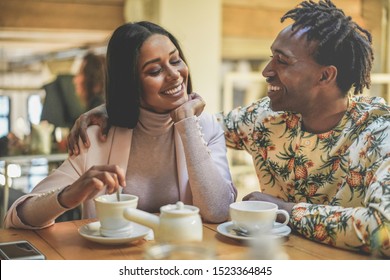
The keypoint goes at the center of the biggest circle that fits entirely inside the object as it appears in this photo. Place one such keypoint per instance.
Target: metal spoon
(242, 232)
(118, 194)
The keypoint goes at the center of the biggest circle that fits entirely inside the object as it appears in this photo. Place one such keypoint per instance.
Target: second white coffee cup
(256, 217)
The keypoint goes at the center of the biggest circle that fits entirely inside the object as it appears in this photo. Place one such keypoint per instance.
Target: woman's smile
(175, 91)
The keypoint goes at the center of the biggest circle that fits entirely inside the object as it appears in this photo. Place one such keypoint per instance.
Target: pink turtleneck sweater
(151, 172)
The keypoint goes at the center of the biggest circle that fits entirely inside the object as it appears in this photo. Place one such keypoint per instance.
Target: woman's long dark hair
(123, 90)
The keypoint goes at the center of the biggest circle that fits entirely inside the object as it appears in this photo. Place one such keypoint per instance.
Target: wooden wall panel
(247, 22)
(352, 7)
(60, 15)
(259, 19)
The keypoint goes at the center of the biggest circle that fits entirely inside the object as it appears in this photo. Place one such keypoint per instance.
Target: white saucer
(91, 232)
(226, 229)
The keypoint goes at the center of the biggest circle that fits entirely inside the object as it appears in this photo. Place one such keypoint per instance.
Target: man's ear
(329, 74)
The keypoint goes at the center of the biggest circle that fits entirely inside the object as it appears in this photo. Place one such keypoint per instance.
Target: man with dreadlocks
(319, 153)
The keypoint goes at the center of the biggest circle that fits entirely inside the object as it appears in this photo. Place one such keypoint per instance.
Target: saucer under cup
(110, 214)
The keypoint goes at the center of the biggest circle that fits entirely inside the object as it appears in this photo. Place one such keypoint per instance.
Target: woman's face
(163, 75)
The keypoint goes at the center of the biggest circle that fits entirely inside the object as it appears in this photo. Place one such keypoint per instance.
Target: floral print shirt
(339, 180)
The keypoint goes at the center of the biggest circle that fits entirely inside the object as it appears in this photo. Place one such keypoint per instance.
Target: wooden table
(62, 241)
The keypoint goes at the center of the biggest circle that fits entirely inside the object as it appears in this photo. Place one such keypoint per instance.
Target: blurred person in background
(89, 82)
(69, 95)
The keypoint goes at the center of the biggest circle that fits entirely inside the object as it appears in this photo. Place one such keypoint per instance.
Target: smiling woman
(161, 148)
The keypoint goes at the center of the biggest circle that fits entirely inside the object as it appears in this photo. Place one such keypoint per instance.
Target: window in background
(34, 108)
(5, 105)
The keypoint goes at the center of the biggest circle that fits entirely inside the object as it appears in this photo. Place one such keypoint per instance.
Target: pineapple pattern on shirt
(339, 180)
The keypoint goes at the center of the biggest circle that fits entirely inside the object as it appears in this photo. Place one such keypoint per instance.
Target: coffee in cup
(109, 211)
(256, 217)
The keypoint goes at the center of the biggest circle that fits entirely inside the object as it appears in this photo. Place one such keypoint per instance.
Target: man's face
(292, 74)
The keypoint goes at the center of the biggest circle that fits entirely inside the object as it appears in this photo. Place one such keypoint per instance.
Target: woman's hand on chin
(193, 107)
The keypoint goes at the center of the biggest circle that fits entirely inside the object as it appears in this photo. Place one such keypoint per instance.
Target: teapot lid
(179, 208)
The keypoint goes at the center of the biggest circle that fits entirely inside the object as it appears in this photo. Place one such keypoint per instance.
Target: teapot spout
(142, 217)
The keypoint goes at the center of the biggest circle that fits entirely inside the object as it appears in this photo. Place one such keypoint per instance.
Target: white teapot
(176, 223)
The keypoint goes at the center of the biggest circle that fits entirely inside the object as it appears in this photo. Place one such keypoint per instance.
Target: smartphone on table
(20, 250)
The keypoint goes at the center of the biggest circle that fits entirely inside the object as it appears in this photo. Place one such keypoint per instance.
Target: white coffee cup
(256, 217)
(109, 211)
